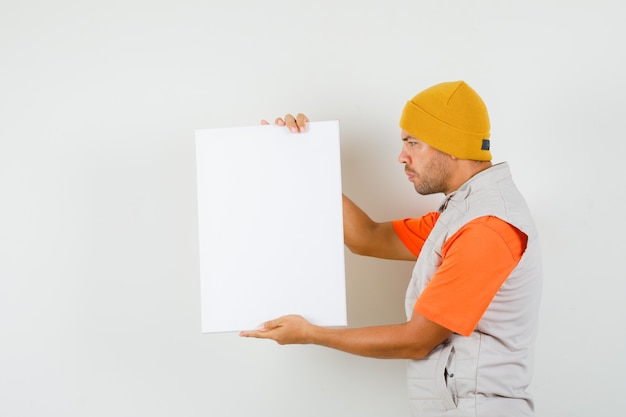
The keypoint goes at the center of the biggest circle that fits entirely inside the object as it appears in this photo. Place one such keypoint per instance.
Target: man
(473, 299)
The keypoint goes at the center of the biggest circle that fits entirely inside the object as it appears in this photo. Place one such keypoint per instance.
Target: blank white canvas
(270, 226)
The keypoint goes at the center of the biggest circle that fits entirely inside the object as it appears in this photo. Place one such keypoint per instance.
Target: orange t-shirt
(476, 260)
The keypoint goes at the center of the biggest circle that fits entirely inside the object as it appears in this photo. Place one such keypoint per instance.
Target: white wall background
(99, 284)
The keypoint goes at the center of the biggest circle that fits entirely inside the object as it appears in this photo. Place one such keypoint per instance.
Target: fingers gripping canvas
(270, 226)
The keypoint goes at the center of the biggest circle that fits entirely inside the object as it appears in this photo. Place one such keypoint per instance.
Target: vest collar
(491, 175)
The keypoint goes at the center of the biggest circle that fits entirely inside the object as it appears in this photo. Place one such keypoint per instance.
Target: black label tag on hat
(485, 146)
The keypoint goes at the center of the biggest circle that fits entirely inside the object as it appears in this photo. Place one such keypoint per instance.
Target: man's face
(425, 166)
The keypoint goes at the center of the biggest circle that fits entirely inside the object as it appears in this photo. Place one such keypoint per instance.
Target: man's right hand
(294, 124)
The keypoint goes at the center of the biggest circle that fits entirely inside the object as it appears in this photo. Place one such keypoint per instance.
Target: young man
(473, 299)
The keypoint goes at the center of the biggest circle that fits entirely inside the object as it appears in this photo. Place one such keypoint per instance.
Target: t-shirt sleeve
(476, 261)
(414, 232)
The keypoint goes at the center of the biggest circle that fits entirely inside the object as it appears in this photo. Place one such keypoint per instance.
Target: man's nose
(402, 157)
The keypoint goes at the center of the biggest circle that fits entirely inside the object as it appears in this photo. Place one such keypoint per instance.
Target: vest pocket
(446, 384)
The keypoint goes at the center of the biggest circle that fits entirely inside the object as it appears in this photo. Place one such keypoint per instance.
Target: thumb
(269, 325)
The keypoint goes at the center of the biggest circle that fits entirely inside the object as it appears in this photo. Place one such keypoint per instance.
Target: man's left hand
(286, 330)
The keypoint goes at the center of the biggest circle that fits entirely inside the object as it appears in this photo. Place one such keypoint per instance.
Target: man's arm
(364, 236)
(411, 340)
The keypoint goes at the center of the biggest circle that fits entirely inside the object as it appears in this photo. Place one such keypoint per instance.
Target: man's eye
(412, 143)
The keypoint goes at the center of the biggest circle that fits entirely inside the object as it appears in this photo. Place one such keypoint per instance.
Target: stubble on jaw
(433, 176)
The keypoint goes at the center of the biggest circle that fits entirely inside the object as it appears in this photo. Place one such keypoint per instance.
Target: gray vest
(487, 373)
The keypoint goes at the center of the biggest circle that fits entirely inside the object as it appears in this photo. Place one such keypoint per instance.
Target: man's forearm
(364, 236)
(357, 225)
(384, 342)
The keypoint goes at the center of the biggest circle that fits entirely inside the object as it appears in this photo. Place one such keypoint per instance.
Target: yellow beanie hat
(452, 118)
